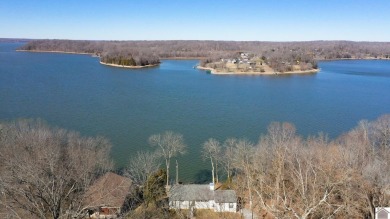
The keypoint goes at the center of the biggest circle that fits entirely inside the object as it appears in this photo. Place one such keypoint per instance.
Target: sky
(239, 20)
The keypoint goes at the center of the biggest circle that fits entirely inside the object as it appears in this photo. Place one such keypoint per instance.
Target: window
(231, 205)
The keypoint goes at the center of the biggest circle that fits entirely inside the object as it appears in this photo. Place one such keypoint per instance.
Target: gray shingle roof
(225, 196)
(201, 193)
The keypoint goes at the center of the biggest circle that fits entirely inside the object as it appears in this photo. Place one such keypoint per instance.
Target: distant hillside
(279, 55)
(14, 40)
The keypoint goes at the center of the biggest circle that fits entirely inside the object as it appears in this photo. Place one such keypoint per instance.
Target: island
(126, 59)
(219, 57)
(128, 66)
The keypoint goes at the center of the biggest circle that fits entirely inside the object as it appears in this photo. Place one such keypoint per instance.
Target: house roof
(201, 193)
(109, 190)
(190, 192)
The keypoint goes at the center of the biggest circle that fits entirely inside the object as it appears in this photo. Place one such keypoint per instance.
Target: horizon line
(276, 41)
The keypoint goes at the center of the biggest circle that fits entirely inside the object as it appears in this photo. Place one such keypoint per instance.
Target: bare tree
(309, 182)
(45, 171)
(142, 166)
(381, 132)
(212, 150)
(228, 155)
(244, 154)
(169, 145)
(278, 139)
(365, 157)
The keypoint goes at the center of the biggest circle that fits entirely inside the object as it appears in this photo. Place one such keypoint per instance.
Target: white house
(202, 197)
(382, 213)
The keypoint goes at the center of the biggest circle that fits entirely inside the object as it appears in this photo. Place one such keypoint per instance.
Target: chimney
(211, 186)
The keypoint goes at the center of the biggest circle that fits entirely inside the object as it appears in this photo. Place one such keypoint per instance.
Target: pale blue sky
(281, 20)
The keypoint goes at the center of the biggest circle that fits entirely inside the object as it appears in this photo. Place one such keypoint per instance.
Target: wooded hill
(276, 54)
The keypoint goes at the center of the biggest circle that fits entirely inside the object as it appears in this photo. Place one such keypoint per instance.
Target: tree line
(45, 171)
(286, 176)
(275, 53)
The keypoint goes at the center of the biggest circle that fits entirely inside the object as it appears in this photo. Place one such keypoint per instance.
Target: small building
(107, 196)
(382, 213)
(202, 197)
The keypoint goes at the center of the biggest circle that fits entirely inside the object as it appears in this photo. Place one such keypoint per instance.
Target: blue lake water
(129, 105)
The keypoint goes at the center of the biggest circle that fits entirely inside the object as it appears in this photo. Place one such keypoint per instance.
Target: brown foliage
(288, 177)
(45, 171)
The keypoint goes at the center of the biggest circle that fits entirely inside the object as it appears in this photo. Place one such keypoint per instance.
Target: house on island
(202, 197)
(107, 197)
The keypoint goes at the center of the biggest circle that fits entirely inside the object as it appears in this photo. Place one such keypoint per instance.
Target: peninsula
(121, 62)
(250, 64)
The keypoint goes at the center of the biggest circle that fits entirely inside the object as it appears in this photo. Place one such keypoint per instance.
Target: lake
(128, 105)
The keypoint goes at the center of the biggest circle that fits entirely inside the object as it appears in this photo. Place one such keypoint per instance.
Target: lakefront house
(197, 196)
(106, 198)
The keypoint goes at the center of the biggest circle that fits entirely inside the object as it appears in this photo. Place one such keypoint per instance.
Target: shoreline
(342, 59)
(184, 58)
(125, 66)
(86, 53)
(212, 71)
(215, 72)
(54, 51)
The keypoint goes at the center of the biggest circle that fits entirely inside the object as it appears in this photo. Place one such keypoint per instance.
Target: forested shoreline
(45, 171)
(280, 56)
